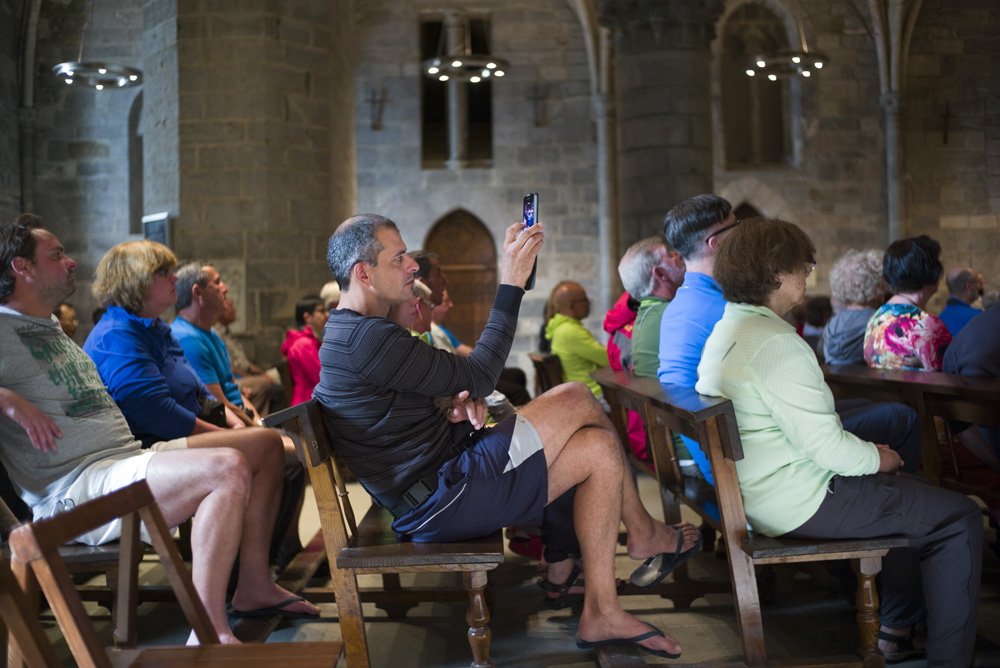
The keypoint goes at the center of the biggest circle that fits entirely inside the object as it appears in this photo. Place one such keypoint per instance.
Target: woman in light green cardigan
(803, 475)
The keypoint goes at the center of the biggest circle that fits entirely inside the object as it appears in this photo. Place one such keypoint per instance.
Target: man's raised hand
(520, 247)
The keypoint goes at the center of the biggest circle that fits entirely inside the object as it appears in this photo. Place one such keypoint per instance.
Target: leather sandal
(905, 650)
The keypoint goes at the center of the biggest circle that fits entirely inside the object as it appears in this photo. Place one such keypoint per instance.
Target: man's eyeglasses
(810, 265)
(722, 229)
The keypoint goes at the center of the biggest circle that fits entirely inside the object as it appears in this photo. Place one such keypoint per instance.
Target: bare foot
(663, 538)
(253, 600)
(595, 626)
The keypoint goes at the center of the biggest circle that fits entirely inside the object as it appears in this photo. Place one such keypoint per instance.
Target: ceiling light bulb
(69, 81)
(132, 77)
(492, 66)
(806, 73)
(69, 73)
(498, 73)
(818, 65)
(99, 87)
(772, 77)
(456, 63)
(761, 63)
(796, 60)
(443, 77)
(101, 70)
(432, 70)
(475, 79)
(750, 73)
(485, 73)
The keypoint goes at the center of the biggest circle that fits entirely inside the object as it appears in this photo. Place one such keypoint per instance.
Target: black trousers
(937, 578)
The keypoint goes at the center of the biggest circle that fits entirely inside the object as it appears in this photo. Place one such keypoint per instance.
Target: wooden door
(468, 256)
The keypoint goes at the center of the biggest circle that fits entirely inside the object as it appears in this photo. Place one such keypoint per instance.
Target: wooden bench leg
(478, 619)
(747, 608)
(395, 610)
(867, 603)
(352, 619)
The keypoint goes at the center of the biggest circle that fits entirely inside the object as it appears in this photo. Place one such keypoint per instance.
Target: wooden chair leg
(29, 585)
(748, 609)
(867, 604)
(352, 620)
(478, 619)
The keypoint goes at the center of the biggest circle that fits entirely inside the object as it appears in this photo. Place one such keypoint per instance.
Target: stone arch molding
(791, 13)
(756, 193)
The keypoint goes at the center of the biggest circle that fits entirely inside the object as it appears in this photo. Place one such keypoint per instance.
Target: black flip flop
(634, 640)
(267, 611)
(653, 570)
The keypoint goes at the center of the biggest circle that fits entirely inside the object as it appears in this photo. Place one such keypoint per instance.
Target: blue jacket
(146, 373)
(957, 315)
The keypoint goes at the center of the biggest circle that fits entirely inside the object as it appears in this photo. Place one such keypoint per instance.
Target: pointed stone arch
(468, 255)
(757, 194)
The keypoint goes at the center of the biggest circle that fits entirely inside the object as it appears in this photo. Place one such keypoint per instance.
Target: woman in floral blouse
(901, 334)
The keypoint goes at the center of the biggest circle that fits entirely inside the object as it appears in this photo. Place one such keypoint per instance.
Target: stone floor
(808, 618)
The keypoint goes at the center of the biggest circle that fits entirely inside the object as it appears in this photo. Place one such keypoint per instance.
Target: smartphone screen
(530, 216)
(530, 209)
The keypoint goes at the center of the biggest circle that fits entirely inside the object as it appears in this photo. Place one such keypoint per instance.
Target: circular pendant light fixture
(787, 64)
(462, 64)
(96, 74)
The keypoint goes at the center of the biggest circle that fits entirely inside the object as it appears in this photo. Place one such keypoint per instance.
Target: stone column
(458, 95)
(249, 110)
(661, 68)
(891, 104)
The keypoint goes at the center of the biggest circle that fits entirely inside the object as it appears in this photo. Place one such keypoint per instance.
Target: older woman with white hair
(856, 282)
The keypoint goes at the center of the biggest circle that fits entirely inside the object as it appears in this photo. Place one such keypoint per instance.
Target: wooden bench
(712, 423)
(372, 547)
(932, 394)
(37, 546)
(548, 371)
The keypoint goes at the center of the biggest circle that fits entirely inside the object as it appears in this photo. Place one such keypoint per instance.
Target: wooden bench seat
(372, 547)
(711, 421)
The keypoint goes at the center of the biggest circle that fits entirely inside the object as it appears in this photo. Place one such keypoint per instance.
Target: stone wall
(254, 136)
(544, 44)
(834, 186)
(81, 181)
(10, 151)
(837, 191)
(951, 125)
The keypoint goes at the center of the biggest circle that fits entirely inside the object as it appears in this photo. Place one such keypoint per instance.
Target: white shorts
(103, 478)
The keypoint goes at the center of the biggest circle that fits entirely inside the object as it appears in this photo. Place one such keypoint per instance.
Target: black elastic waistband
(427, 482)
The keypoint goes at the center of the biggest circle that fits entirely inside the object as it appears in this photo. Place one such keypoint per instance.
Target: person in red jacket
(618, 323)
(301, 346)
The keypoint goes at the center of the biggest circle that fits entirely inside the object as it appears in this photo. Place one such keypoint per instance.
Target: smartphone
(530, 217)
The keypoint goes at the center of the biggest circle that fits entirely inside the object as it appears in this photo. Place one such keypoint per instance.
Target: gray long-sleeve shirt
(377, 387)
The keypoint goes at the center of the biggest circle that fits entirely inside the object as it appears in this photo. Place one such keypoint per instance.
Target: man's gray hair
(355, 240)
(636, 266)
(189, 275)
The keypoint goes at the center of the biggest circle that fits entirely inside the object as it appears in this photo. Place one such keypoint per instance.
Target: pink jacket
(301, 347)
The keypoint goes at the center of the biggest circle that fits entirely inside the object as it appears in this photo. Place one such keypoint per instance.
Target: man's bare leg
(582, 450)
(217, 483)
(263, 451)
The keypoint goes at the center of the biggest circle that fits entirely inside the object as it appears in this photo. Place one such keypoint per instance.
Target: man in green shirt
(578, 351)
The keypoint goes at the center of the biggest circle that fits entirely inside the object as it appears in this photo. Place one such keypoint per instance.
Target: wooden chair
(20, 618)
(712, 423)
(548, 371)
(37, 545)
(286, 378)
(372, 547)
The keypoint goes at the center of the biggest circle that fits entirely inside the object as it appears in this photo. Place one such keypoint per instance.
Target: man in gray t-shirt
(63, 440)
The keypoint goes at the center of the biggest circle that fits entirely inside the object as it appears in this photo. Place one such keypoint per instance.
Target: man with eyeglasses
(577, 349)
(695, 228)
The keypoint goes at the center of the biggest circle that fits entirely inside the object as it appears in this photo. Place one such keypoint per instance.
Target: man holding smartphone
(443, 477)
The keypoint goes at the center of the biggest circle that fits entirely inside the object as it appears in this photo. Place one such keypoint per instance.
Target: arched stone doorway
(468, 256)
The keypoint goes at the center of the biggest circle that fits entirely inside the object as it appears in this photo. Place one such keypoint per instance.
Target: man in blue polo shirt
(964, 287)
(695, 228)
(201, 299)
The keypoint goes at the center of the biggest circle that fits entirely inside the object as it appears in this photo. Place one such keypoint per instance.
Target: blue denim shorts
(502, 479)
